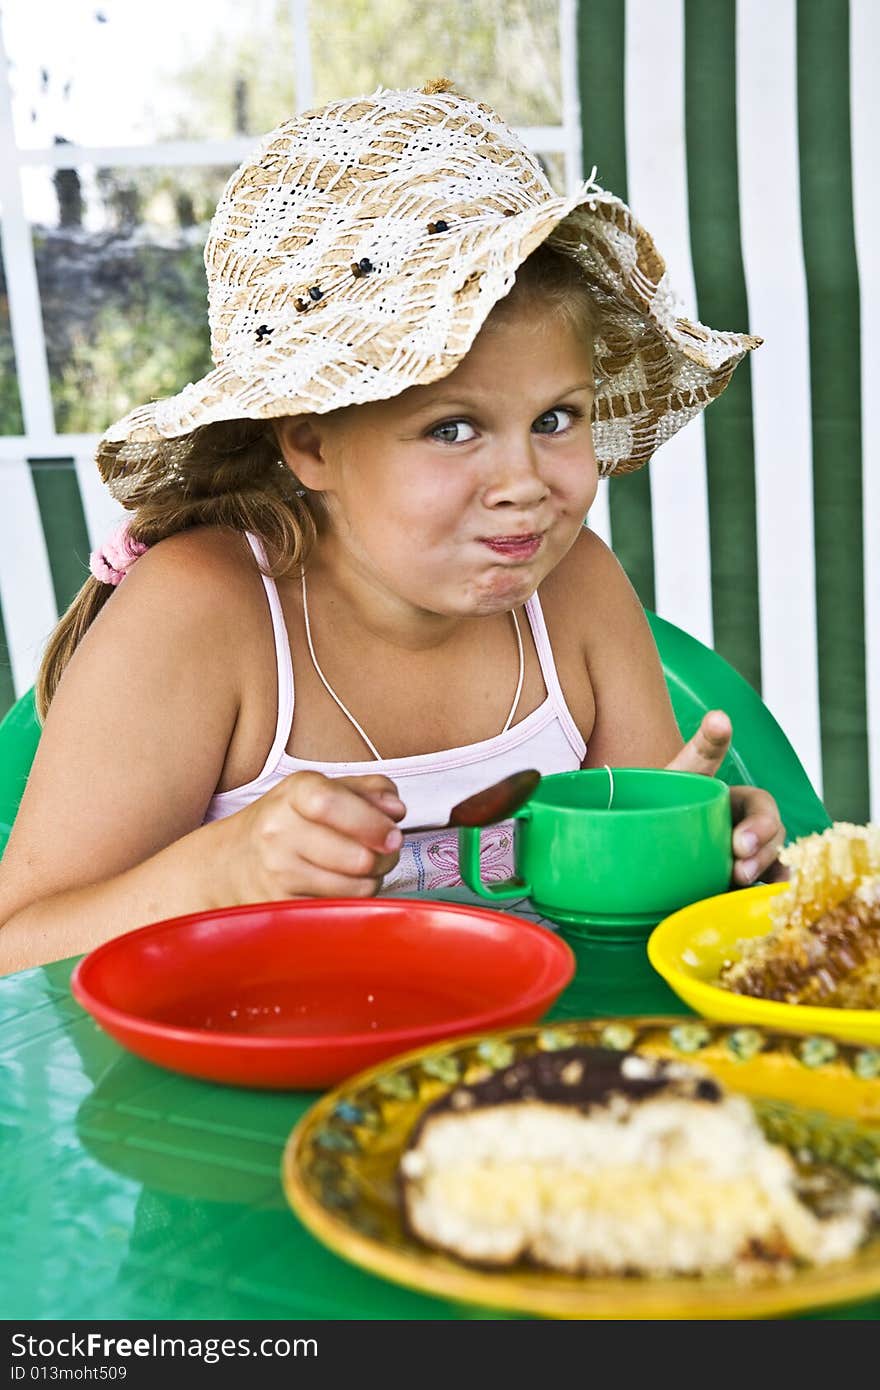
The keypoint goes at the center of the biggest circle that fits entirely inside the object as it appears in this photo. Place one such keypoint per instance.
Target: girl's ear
(301, 443)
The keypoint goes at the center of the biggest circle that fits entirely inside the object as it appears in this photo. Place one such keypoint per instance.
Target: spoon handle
(489, 806)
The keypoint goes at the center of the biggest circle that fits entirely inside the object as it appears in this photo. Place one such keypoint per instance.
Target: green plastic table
(133, 1193)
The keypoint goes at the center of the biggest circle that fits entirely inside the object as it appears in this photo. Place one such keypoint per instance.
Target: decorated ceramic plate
(820, 1098)
(689, 947)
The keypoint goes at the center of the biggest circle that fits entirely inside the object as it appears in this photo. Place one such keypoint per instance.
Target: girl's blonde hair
(229, 475)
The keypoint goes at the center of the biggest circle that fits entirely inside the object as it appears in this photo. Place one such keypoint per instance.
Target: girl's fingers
(325, 848)
(332, 803)
(758, 833)
(756, 865)
(379, 790)
(706, 751)
(771, 849)
(754, 804)
(323, 883)
(753, 834)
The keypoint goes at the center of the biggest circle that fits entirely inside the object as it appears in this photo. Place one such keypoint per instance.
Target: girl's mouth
(514, 547)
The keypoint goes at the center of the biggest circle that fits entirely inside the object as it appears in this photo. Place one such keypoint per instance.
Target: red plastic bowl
(305, 993)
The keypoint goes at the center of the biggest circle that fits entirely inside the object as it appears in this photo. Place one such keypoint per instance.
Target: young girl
(356, 585)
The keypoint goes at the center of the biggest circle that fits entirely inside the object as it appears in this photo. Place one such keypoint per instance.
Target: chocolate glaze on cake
(579, 1076)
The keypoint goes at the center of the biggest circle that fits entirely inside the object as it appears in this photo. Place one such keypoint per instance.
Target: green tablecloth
(130, 1192)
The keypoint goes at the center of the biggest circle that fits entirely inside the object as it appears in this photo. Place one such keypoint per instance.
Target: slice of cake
(825, 944)
(598, 1162)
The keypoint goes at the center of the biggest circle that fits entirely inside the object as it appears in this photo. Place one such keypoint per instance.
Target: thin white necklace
(347, 712)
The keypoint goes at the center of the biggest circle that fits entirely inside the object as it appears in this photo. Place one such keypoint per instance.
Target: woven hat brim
(655, 368)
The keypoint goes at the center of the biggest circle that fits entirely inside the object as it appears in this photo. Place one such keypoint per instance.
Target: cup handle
(469, 864)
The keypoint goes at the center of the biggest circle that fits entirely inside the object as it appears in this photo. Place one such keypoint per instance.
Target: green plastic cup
(614, 850)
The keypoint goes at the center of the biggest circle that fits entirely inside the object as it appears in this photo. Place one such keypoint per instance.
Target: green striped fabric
(760, 96)
(64, 526)
(601, 59)
(713, 206)
(823, 50)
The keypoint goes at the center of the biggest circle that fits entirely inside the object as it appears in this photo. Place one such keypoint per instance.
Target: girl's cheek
(591, 487)
(581, 487)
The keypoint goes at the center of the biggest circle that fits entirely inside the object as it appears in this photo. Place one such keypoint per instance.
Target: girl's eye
(555, 421)
(453, 432)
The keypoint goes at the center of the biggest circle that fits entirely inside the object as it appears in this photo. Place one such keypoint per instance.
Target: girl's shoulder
(589, 589)
(169, 659)
(199, 555)
(197, 592)
(207, 573)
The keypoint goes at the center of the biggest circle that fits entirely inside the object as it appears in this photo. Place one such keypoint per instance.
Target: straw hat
(359, 252)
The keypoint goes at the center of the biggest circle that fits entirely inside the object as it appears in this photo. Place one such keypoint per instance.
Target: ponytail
(66, 638)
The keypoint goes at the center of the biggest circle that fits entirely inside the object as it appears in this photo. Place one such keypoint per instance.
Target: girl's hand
(758, 833)
(758, 836)
(316, 837)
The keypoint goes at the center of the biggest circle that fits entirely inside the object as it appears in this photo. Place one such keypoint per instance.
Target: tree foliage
(504, 52)
(148, 345)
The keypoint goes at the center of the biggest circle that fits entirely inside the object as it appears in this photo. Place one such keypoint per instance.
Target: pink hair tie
(111, 561)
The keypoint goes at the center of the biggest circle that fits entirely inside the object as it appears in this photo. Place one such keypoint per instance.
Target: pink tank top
(429, 784)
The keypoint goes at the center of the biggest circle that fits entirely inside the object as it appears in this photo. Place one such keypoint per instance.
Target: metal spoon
(492, 804)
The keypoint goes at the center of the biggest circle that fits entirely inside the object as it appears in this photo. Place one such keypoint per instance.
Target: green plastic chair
(698, 680)
(19, 736)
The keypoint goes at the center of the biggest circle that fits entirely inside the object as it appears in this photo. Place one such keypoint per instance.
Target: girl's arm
(109, 834)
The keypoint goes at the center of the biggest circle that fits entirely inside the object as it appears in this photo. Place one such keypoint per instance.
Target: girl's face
(459, 497)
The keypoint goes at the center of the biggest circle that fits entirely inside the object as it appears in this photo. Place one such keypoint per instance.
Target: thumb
(706, 751)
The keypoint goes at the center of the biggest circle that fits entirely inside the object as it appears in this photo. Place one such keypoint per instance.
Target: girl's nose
(515, 478)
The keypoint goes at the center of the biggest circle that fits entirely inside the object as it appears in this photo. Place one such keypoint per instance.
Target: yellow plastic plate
(689, 947)
(340, 1163)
